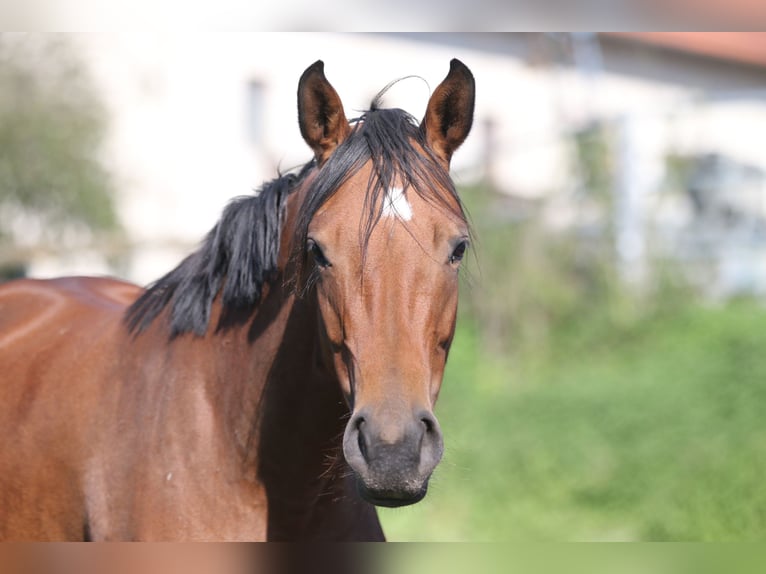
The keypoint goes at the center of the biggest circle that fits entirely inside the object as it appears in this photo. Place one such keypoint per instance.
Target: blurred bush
(533, 284)
(577, 406)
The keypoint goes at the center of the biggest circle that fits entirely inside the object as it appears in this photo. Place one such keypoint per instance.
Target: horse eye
(458, 252)
(316, 253)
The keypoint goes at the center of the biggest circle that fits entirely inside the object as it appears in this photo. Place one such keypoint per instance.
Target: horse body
(258, 389)
(152, 446)
(55, 389)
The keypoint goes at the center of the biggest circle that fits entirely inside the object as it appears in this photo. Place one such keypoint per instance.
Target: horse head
(381, 237)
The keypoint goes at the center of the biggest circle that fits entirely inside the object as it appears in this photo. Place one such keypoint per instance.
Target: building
(200, 118)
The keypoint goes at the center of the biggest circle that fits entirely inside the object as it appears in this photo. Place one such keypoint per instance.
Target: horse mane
(239, 256)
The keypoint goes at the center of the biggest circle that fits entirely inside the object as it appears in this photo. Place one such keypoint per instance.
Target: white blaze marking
(395, 204)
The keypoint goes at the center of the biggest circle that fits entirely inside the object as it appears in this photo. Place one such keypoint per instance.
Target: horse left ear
(449, 114)
(320, 113)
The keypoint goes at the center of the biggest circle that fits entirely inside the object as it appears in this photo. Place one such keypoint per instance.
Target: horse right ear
(320, 113)
(449, 114)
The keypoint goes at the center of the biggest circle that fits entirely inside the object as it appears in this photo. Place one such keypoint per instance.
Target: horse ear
(449, 114)
(320, 112)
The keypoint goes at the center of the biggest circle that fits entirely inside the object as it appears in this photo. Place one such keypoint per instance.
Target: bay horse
(276, 385)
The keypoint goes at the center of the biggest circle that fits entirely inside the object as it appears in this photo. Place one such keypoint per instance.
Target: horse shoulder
(57, 342)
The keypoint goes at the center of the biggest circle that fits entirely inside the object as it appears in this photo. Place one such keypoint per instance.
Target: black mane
(239, 256)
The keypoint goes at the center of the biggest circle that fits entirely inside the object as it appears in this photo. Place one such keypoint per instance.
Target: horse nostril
(360, 438)
(429, 422)
(431, 443)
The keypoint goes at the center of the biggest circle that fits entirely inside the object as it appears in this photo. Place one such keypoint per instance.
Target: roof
(741, 47)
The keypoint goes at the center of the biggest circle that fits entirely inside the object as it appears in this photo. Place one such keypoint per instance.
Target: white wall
(180, 148)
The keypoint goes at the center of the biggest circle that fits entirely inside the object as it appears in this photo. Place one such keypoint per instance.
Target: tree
(54, 188)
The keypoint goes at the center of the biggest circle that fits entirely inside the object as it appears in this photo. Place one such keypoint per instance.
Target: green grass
(655, 431)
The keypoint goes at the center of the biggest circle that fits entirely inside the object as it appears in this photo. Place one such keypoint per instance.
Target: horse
(279, 383)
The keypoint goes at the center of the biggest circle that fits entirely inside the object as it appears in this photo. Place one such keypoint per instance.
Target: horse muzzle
(392, 458)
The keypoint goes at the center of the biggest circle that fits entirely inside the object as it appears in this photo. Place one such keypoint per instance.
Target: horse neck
(263, 382)
(253, 392)
(252, 399)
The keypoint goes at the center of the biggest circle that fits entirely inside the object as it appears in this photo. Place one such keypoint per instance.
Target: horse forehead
(345, 217)
(352, 204)
(409, 226)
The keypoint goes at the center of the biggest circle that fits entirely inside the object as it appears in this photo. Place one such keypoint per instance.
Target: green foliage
(578, 408)
(528, 281)
(592, 150)
(532, 281)
(51, 129)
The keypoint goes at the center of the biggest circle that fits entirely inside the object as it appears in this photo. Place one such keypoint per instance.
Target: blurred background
(608, 377)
